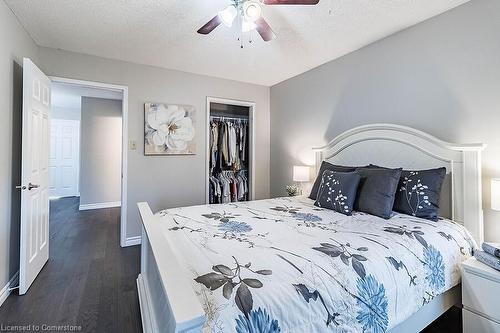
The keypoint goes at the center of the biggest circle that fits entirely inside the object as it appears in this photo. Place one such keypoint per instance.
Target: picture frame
(169, 129)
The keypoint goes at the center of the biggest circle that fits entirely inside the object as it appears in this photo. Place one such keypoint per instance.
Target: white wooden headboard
(400, 146)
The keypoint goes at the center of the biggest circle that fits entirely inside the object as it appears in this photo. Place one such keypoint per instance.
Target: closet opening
(230, 151)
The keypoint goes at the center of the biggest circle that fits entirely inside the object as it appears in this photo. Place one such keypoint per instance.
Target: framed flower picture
(169, 129)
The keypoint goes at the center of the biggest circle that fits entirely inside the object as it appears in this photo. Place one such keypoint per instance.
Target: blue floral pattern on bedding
(307, 217)
(372, 301)
(285, 265)
(235, 226)
(257, 321)
(435, 268)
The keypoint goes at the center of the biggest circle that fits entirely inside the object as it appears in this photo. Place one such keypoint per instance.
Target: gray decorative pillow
(337, 191)
(377, 190)
(327, 166)
(419, 192)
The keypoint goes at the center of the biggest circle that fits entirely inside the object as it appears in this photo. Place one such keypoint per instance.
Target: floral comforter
(285, 265)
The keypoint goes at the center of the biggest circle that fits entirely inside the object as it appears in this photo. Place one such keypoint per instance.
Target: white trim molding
(100, 205)
(6, 290)
(400, 146)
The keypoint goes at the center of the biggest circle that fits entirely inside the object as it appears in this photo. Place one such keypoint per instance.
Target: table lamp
(301, 174)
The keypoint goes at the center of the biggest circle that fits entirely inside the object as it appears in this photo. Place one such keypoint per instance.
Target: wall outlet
(132, 145)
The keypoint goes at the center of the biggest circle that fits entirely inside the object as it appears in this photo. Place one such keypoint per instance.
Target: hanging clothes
(225, 143)
(214, 143)
(228, 156)
(225, 188)
(231, 143)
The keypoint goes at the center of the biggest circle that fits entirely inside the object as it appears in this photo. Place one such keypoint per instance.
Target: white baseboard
(131, 241)
(5, 292)
(55, 197)
(100, 205)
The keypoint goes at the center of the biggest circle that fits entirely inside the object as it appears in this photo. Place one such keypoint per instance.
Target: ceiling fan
(249, 14)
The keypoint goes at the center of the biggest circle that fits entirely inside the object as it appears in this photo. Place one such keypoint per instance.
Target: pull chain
(240, 24)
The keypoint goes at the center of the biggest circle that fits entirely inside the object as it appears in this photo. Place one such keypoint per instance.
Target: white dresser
(480, 298)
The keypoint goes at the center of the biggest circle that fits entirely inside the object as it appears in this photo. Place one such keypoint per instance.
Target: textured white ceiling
(163, 32)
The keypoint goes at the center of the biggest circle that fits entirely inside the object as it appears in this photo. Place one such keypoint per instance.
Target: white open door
(34, 251)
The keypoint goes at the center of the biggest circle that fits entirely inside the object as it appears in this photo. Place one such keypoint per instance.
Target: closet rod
(230, 118)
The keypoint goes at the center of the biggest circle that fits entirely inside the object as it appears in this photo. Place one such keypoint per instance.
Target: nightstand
(480, 297)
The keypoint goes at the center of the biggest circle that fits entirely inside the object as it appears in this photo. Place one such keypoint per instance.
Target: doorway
(89, 124)
(35, 173)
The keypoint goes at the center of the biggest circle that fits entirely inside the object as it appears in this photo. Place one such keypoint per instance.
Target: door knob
(20, 187)
(32, 186)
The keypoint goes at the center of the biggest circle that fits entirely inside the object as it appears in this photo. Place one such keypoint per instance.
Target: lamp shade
(228, 15)
(495, 194)
(301, 173)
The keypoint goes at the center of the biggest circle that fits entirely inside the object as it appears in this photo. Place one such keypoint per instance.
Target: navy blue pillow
(337, 191)
(377, 190)
(327, 166)
(419, 192)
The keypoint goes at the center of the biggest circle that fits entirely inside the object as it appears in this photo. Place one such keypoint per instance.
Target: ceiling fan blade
(290, 2)
(264, 30)
(210, 25)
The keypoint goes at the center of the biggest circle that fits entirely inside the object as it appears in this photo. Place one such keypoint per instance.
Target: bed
(285, 265)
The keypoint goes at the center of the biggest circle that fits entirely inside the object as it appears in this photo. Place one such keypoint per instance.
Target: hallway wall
(100, 151)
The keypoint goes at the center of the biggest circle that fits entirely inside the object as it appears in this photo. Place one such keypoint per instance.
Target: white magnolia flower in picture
(169, 129)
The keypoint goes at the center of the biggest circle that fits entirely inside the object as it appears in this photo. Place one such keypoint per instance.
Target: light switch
(132, 145)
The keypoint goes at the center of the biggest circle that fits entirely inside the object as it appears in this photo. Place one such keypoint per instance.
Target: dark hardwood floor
(89, 280)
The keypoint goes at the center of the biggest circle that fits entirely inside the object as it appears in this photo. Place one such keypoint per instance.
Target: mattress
(285, 265)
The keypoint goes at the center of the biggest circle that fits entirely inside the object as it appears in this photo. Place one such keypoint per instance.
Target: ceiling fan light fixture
(249, 14)
(252, 10)
(228, 15)
(247, 26)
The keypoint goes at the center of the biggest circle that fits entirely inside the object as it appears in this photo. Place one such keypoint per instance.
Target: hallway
(89, 281)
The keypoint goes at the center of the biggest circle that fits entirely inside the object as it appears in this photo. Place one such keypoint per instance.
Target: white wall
(441, 76)
(100, 151)
(167, 181)
(14, 45)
